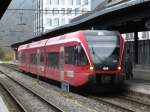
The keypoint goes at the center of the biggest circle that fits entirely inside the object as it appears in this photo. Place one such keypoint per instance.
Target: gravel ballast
(69, 102)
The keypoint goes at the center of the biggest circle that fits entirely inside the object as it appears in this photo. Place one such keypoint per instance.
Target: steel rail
(118, 107)
(131, 99)
(56, 108)
(13, 96)
(103, 100)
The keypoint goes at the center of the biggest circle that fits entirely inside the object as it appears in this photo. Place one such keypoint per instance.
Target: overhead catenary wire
(48, 11)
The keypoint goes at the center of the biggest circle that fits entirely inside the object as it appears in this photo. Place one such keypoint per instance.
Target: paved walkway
(141, 81)
(3, 107)
(142, 72)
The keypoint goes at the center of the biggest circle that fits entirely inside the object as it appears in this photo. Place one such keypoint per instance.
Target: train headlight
(91, 68)
(119, 67)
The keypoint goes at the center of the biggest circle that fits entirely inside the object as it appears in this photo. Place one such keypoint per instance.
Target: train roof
(38, 44)
(70, 37)
(99, 32)
(22, 47)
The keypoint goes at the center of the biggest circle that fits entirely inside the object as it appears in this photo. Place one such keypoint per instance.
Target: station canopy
(3, 6)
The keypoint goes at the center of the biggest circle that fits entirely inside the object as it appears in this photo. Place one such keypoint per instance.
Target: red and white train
(80, 58)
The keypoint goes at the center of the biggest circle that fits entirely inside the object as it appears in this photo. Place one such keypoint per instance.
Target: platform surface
(141, 80)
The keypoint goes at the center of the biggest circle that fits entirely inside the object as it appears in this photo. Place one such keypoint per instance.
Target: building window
(49, 2)
(70, 2)
(63, 21)
(55, 11)
(78, 2)
(53, 60)
(63, 11)
(49, 22)
(63, 2)
(69, 11)
(77, 11)
(48, 11)
(56, 22)
(56, 2)
(85, 2)
(84, 10)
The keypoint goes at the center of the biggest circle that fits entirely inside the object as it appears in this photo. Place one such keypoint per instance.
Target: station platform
(139, 86)
(141, 81)
(142, 72)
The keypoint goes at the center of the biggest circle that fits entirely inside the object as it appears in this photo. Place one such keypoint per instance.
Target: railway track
(34, 96)
(12, 66)
(18, 103)
(113, 105)
(123, 103)
(120, 103)
(132, 99)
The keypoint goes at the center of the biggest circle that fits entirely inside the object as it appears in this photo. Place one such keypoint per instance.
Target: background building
(53, 13)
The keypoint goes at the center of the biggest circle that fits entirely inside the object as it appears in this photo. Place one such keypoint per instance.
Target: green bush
(2, 54)
(5, 55)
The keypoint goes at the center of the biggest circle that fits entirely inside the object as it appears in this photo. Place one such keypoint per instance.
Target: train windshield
(104, 51)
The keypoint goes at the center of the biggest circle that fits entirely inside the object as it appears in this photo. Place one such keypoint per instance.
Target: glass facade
(66, 9)
(78, 2)
(56, 22)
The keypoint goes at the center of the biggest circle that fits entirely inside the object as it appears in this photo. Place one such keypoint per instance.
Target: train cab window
(53, 59)
(81, 58)
(75, 55)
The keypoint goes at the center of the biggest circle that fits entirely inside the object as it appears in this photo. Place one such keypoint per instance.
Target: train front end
(105, 50)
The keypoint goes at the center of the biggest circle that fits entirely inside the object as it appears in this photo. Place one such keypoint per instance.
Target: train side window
(33, 59)
(23, 57)
(81, 58)
(69, 55)
(41, 57)
(53, 59)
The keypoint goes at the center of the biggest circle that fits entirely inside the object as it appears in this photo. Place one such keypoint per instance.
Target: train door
(61, 63)
(40, 62)
(28, 60)
(64, 83)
